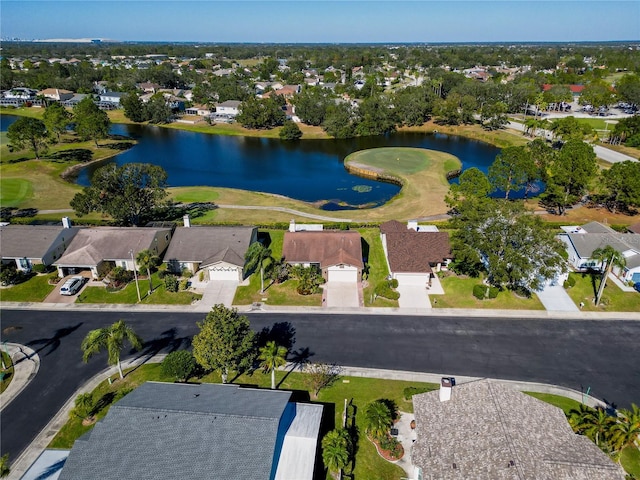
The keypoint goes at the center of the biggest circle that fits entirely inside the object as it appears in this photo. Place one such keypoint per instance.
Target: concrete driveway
(413, 296)
(218, 291)
(555, 298)
(341, 294)
(56, 297)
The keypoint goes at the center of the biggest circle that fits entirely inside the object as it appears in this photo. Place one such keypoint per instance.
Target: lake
(308, 170)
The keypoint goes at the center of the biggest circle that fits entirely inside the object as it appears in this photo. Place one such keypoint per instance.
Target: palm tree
(112, 339)
(597, 425)
(272, 356)
(5, 470)
(627, 431)
(255, 257)
(147, 260)
(608, 257)
(377, 418)
(336, 449)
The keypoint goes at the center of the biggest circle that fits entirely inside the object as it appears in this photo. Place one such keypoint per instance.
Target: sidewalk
(24, 373)
(26, 364)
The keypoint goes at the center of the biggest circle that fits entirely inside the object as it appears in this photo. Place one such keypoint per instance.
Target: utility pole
(135, 275)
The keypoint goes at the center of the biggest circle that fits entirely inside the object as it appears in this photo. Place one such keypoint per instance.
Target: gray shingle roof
(208, 245)
(185, 432)
(586, 243)
(486, 426)
(31, 241)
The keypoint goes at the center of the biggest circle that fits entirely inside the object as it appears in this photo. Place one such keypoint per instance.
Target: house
(337, 253)
(57, 94)
(21, 93)
(75, 99)
(414, 252)
(230, 108)
(28, 245)
(483, 429)
(287, 91)
(193, 432)
(200, 110)
(148, 87)
(100, 249)
(582, 241)
(217, 251)
(112, 97)
(635, 228)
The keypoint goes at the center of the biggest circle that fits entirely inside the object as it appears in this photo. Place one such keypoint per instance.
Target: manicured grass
(566, 404)
(35, 289)
(14, 191)
(459, 294)
(8, 372)
(499, 138)
(399, 160)
(630, 460)
(360, 391)
(378, 269)
(129, 295)
(194, 194)
(613, 299)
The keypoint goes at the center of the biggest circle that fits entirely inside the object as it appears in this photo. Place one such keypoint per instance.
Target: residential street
(578, 354)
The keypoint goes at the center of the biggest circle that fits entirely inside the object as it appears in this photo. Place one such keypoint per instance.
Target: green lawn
(7, 373)
(566, 404)
(129, 295)
(194, 194)
(613, 299)
(378, 269)
(35, 289)
(459, 294)
(630, 460)
(14, 191)
(360, 390)
(401, 160)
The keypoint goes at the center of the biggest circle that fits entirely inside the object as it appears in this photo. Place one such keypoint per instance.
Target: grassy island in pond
(422, 174)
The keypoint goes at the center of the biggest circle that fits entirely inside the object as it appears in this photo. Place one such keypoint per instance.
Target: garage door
(223, 274)
(415, 279)
(343, 273)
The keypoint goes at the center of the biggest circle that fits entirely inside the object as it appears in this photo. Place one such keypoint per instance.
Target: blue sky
(323, 20)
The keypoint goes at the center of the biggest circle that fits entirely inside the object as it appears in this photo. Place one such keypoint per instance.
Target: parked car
(637, 286)
(72, 286)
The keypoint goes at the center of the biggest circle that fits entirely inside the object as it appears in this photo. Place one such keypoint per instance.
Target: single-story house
(28, 245)
(337, 253)
(230, 108)
(483, 429)
(193, 432)
(582, 241)
(217, 251)
(57, 94)
(75, 99)
(112, 97)
(100, 249)
(21, 93)
(148, 87)
(201, 110)
(287, 91)
(635, 228)
(414, 252)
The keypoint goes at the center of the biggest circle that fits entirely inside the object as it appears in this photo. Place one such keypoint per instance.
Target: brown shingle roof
(326, 248)
(635, 228)
(411, 251)
(393, 226)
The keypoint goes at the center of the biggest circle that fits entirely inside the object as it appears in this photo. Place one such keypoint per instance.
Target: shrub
(184, 284)
(494, 291)
(570, 282)
(201, 276)
(383, 289)
(10, 275)
(186, 273)
(39, 268)
(290, 131)
(84, 405)
(120, 275)
(479, 291)
(171, 283)
(393, 283)
(179, 364)
(411, 391)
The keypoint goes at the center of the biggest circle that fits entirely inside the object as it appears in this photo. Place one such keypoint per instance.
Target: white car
(72, 286)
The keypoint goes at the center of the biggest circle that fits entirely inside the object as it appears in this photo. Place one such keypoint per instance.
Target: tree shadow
(81, 155)
(104, 401)
(167, 342)
(297, 360)
(52, 343)
(282, 333)
(264, 238)
(51, 470)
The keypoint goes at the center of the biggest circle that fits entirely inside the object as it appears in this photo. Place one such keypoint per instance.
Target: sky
(323, 21)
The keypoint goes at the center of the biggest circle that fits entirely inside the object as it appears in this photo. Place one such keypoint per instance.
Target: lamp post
(135, 275)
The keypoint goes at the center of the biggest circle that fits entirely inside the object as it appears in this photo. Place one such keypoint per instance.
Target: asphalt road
(576, 354)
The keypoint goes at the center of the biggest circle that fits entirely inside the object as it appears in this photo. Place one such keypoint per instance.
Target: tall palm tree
(336, 449)
(112, 339)
(256, 256)
(608, 256)
(147, 260)
(627, 431)
(377, 418)
(272, 356)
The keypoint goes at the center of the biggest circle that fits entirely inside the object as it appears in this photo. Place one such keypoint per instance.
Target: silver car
(72, 286)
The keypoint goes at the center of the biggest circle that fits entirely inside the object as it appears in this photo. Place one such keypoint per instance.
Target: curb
(26, 364)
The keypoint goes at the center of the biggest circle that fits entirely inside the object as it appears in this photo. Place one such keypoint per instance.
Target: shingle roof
(635, 228)
(186, 432)
(411, 251)
(327, 248)
(586, 243)
(31, 241)
(92, 245)
(486, 426)
(207, 245)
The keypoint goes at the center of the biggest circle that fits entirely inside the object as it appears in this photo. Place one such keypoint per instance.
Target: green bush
(179, 364)
(120, 275)
(570, 282)
(186, 273)
(184, 284)
(479, 291)
(393, 283)
(493, 292)
(39, 268)
(383, 289)
(171, 283)
(201, 276)
(411, 391)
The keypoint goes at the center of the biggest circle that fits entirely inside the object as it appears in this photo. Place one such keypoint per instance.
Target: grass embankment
(499, 138)
(361, 390)
(35, 289)
(459, 294)
(613, 299)
(7, 372)
(129, 295)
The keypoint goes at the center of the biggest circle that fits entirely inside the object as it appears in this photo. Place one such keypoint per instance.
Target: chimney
(292, 225)
(66, 222)
(446, 385)
(413, 225)
(187, 221)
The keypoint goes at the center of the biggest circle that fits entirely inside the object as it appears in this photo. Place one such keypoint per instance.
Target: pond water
(308, 170)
